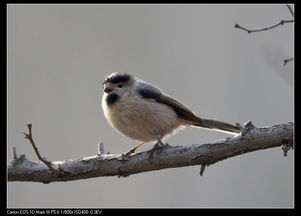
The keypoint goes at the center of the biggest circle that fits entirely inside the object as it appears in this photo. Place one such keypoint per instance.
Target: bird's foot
(160, 144)
(157, 146)
(125, 155)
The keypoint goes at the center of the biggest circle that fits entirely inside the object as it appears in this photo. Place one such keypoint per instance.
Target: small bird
(141, 111)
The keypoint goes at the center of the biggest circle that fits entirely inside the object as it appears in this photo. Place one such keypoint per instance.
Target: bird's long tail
(216, 125)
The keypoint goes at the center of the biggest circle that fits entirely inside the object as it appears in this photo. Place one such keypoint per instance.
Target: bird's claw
(125, 155)
(158, 145)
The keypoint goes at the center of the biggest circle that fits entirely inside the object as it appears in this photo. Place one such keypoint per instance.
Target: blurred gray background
(58, 56)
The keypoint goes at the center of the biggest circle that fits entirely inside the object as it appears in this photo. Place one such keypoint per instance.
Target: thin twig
(285, 61)
(100, 149)
(43, 159)
(203, 166)
(287, 146)
(15, 156)
(282, 22)
(290, 9)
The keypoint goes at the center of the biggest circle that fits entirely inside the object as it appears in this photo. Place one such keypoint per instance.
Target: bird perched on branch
(141, 111)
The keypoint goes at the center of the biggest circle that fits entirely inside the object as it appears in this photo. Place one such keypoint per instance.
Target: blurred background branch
(281, 22)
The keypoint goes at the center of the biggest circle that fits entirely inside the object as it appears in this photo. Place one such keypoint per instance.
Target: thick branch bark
(251, 139)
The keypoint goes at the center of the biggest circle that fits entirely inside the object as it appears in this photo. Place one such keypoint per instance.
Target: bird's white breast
(141, 119)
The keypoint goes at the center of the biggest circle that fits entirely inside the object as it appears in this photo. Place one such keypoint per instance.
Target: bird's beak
(107, 90)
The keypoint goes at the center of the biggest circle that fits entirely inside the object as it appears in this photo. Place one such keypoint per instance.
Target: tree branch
(290, 9)
(252, 139)
(282, 22)
(43, 159)
(285, 61)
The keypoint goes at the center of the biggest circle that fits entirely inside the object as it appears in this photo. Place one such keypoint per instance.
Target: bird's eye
(120, 85)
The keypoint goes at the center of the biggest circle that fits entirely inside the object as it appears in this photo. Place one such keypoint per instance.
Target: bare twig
(286, 147)
(100, 149)
(15, 156)
(285, 61)
(43, 159)
(290, 9)
(202, 170)
(167, 157)
(282, 22)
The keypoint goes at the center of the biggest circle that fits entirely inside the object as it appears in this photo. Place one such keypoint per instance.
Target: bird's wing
(150, 91)
(186, 114)
(181, 110)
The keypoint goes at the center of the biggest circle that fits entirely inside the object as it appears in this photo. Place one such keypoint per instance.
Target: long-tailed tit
(141, 111)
